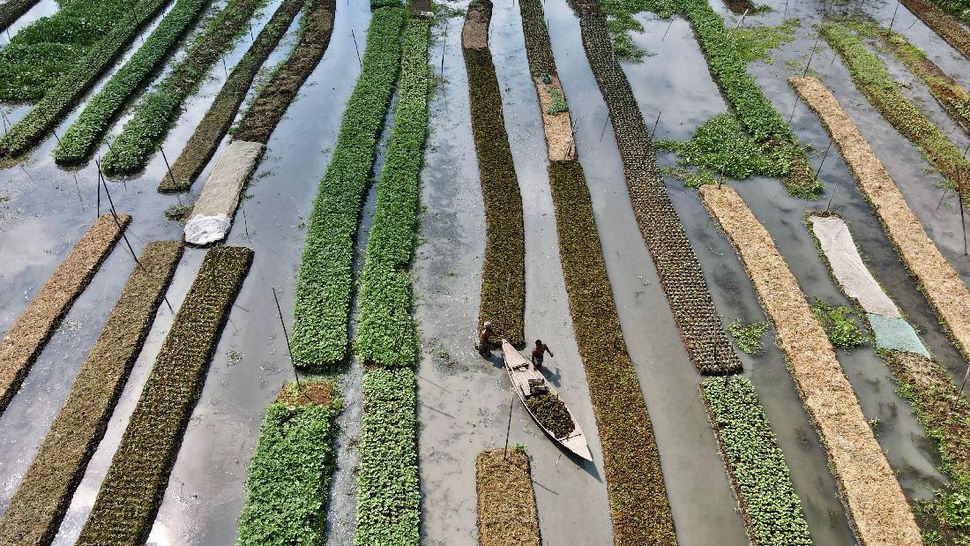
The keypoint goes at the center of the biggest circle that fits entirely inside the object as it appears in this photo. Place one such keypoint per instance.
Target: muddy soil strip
(872, 495)
(638, 497)
(871, 76)
(506, 502)
(291, 468)
(133, 487)
(677, 266)
(938, 281)
(503, 271)
(26, 338)
(759, 474)
(85, 134)
(11, 10)
(325, 281)
(385, 328)
(157, 112)
(947, 27)
(37, 508)
(208, 134)
(70, 88)
(945, 413)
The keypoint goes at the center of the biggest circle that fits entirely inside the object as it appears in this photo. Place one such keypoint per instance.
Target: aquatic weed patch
(748, 336)
(70, 88)
(507, 512)
(841, 323)
(677, 266)
(760, 477)
(135, 482)
(79, 141)
(503, 270)
(290, 471)
(36, 510)
(388, 495)
(324, 283)
(946, 26)
(754, 43)
(385, 327)
(155, 114)
(218, 118)
(24, 340)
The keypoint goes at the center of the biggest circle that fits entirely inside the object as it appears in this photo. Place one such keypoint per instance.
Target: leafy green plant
(754, 43)
(558, 102)
(755, 463)
(748, 336)
(841, 323)
(324, 282)
(11, 10)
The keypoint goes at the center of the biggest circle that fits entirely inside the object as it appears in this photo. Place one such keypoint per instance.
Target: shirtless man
(485, 338)
(539, 353)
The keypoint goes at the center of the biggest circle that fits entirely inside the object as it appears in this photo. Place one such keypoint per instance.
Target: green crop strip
(37, 508)
(67, 90)
(388, 494)
(503, 271)
(324, 283)
(385, 328)
(677, 266)
(11, 10)
(48, 48)
(290, 471)
(135, 483)
(157, 112)
(957, 8)
(949, 28)
(81, 138)
(315, 29)
(771, 509)
(871, 76)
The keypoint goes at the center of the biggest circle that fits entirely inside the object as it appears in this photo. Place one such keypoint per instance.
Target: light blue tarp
(896, 333)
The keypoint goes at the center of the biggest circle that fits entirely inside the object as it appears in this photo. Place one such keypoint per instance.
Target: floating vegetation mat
(507, 513)
(26, 338)
(289, 475)
(677, 266)
(769, 505)
(874, 500)
(551, 414)
(503, 271)
(949, 28)
(37, 508)
(939, 282)
(11, 10)
(135, 482)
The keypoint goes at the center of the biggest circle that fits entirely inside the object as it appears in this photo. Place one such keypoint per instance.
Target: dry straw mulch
(558, 126)
(940, 283)
(25, 339)
(948, 27)
(36, 510)
(875, 502)
(507, 513)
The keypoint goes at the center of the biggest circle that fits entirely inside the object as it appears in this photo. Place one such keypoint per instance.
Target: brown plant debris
(135, 483)
(556, 122)
(503, 271)
(317, 393)
(939, 282)
(948, 27)
(872, 495)
(35, 325)
(507, 513)
(37, 508)
(552, 414)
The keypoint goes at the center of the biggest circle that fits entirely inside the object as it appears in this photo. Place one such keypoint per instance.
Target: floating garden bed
(156, 113)
(759, 475)
(949, 28)
(871, 76)
(939, 282)
(314, 33)
(290, 471)
(677, 266)
(385, 327)
(36, 324)
(11, 10)
(507, 513)
(43, 496)
(874, 500)
(135, 483)
(324, 283)
(503, 270)
(64, 93)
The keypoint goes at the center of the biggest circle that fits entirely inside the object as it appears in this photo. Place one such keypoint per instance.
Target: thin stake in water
(656, 124)
(740, 20)
(824, 155)
(508, 430)
(812, 54)
(167, 166)
(357, 49)
(286, 337)
(605, 123)
(893, 20)
(668, 29)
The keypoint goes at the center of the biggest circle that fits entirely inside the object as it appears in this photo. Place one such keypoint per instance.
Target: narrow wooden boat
(528, 382)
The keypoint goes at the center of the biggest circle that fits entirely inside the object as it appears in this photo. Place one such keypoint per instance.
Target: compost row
(506, 502)
(37, 508)
(135, 483)
(24, 340)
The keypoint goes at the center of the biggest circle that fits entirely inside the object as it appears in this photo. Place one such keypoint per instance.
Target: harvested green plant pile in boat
(552, 413)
